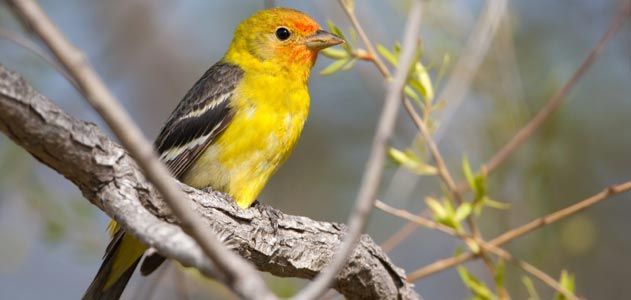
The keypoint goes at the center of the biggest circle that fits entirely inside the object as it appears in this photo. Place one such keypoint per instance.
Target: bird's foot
(273, 214)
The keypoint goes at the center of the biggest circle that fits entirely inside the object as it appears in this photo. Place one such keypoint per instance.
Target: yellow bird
(234, 127)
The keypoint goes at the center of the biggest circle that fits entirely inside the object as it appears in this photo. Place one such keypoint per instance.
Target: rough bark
(110, 179)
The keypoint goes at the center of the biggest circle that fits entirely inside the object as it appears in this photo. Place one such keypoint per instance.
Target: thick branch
(235, 272)
(111, 180)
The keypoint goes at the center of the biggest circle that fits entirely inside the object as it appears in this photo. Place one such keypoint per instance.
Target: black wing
(199, 118)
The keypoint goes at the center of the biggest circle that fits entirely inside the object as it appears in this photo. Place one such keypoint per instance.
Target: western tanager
(234, 127)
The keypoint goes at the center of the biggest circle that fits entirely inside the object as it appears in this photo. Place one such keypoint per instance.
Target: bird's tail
(120, 260)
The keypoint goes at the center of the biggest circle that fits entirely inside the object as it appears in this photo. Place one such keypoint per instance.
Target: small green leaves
(437, 208)
(334, 29)
(348, 46)
(567, 282)
(339, 65)
(463, 211)
(411, 162)
(334, 53)
(499, 278)
(530, 287)
(478, 185)
(445, 213)
(344, 58)
(392, 58)
(478, 288)
(486, 201)
(419, 82)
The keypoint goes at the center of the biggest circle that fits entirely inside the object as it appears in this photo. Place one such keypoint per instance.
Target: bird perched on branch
(234, 127)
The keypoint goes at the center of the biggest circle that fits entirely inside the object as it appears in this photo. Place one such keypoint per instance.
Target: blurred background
(151, 52)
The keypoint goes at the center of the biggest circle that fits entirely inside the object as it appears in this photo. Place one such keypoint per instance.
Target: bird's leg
(273, 214)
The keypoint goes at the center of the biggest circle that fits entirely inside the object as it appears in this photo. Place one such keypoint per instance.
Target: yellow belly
(258, 140)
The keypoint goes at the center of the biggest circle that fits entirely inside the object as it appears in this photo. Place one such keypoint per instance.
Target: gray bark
(109, 178)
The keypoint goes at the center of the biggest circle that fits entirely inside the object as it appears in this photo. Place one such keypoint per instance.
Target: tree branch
(545, 278)
(110, 179)
(555, 101)
(472, 56)
(446, 263)
(236, 273)
(373, 171)
(531, 127)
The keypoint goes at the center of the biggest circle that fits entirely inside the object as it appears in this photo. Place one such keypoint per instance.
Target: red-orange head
(281, 37)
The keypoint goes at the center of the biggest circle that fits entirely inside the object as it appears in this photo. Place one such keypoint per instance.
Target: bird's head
(281, 40)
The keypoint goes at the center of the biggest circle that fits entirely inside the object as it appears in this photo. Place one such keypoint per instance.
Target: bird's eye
(282, 33)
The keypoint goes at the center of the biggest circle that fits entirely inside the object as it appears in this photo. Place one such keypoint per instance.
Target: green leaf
(389, 56)
(334, 53)
(530, 287)
(477, 287)
(468, 174)
(463, 211)
(337, 31)
(477, 184)
(419, 81)
(413, 82)
(444, 213)
(350, 64)
(567, 282)
(409, 91)
(500, 272)
(480, 187)
(399, 156)
(495, 204)
(335, 66)
(334, 29)
(411, 162)
(436, 207)
(426, 88)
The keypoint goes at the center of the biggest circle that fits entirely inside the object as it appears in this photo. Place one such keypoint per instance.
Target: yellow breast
(269, 117)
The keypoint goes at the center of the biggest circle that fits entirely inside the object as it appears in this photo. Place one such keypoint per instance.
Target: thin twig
(484, 33)
(374, 167)
(400, 235)
(416, 219)
(445, 175)
(515, 142)
(532, 270)
(236, 273)
(376, 59)
(553, 102)
(30, 46)
(563, 213)
(473, 55)
(441, 166)
(545, 278)
(371, 54)
(447, 263)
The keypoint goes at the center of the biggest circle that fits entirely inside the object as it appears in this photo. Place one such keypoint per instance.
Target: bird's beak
(322, 39)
